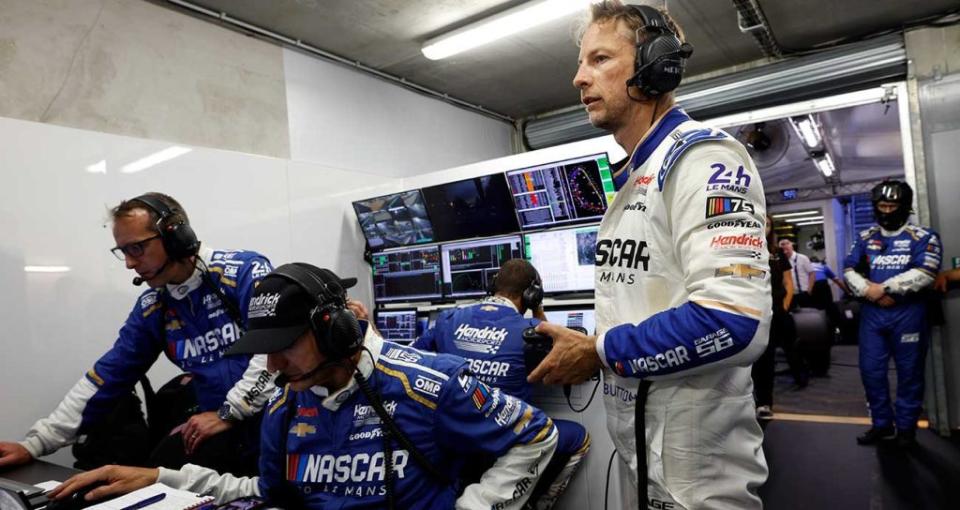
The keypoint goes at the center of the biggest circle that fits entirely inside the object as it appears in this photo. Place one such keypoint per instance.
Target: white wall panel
(345, 119)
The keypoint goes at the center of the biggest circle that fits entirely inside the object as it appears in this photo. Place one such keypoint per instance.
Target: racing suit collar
(673, 118)
(500, 300)
(179, 291)
(893, 233)
(373, 343)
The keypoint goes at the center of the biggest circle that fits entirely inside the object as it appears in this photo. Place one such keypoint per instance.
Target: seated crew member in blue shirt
(194, 309)
(359, 422)
(489, 334)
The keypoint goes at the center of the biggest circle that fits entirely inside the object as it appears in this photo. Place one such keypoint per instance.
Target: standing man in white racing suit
(682, 288)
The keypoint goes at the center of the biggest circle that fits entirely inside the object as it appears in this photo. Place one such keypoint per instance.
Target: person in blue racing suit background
(360, 422)
(889, 265)
(194, 309)
(489, 335)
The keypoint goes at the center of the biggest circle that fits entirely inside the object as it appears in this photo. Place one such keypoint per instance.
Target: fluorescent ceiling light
(46, 269)
(809, 223)
(155, 159)
(509, 22)
(805, 218)
(808, 129)
(868, 96)
(825, 164)
(792, 214)
(99, 167)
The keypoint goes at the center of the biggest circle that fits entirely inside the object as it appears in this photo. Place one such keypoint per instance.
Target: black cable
(590, 401)
(606, 486)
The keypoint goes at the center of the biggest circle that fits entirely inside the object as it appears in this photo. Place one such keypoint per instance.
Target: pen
(147, 502)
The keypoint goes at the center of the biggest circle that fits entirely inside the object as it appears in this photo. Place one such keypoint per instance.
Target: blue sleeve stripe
(677, 340)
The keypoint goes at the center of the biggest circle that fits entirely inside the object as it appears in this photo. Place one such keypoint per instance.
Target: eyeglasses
(134, 249)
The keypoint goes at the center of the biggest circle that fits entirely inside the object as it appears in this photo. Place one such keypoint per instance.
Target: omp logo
(360, 467)
(722, 242)
(740, 271)
(713, 343)
(486, 340)
(719, 206)
(426, 385)
(890, 260)
(264, 305)
(734, 224)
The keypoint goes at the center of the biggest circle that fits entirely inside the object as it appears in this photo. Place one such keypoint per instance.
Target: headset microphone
(138, 280)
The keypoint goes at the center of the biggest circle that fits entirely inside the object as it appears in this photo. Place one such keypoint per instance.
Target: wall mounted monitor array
(583, 317)
(477, 207)
(398, 325)
(564, 258)
(566, 192)
(469, 267)
(407, 274)
(399, 219)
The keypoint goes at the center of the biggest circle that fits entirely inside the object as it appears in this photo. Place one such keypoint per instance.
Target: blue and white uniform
(904, 262)
(683, 300)
(191, 325)
(489, 335)
(334, 444)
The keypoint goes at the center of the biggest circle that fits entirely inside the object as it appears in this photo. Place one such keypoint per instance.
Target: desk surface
(37, 471)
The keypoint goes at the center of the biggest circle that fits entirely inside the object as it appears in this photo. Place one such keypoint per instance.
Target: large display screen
(582, 317)
(566, 192)
(564, 258)
(398, 325)
(394, 220)
(469, 267)
(410, 274)
(478, 207)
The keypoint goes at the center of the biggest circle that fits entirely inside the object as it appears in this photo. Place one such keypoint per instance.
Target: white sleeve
(510, 481)
(203, 480)
(913, 280)
(59, 429)
(858, 284)
(252, 391)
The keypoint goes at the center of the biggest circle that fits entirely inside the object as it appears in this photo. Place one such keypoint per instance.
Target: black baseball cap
(279, 309)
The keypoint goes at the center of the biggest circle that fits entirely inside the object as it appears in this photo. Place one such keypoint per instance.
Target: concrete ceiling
(531, 72)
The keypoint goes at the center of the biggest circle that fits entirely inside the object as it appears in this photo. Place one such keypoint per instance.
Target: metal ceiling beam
(751, 20)
(284, 40)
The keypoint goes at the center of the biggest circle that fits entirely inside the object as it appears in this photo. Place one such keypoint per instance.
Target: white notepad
(175, 499)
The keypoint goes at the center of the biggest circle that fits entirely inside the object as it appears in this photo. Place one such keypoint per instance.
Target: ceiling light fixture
(506, 23)
(825, 164)
(155, 159)
(800, 213)
(808, 129)
(809, 223)
(46, 269)
(804, 218)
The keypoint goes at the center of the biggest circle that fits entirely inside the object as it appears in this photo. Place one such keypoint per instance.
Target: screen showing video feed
(469, 267)
(582, 317)
(398, 325)
(394, 220)
(411, 274)
(478, 207)
(566, 192)
(564, 258)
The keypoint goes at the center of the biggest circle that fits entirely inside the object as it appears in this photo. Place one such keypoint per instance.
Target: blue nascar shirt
(884, 259)
(334, 444)
(489, 335)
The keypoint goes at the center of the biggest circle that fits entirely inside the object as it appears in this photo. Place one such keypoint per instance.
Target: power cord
(606, 486)
(593, 393)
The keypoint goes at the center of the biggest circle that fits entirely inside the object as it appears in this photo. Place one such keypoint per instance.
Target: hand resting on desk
(116, 480)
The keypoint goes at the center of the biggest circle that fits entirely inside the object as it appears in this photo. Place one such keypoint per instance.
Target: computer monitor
(407, 274)
(583, 317)
(398, 325)
(564, 258)
(566, 192)
(469, 267)
(399, 219)
(477, 207)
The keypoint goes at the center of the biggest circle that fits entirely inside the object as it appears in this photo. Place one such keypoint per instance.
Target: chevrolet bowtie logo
(488, 308)
(302, 429)
(740, 271)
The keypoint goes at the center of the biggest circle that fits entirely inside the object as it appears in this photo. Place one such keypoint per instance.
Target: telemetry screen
(469, 267)
(410, 274)
(566, 192)
(564, 258)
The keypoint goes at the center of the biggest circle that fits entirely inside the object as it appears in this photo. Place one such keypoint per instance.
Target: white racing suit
(683, 300)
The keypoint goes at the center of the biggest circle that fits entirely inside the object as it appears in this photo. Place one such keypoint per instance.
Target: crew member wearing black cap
(359, 422)
(889, 265)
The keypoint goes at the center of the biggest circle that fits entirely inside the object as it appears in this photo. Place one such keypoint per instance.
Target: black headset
(661, 57)
(531, 297)
(178, 237)
(335, 328)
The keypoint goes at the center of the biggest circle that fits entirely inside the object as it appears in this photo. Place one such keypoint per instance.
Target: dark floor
(819, 465)
(840, 393)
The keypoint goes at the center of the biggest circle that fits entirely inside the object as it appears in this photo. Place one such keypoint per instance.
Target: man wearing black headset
(360, 422)
(194, 309)
(682, 281)
(489, 335)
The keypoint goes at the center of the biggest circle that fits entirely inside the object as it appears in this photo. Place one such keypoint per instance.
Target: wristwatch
(226, 413)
